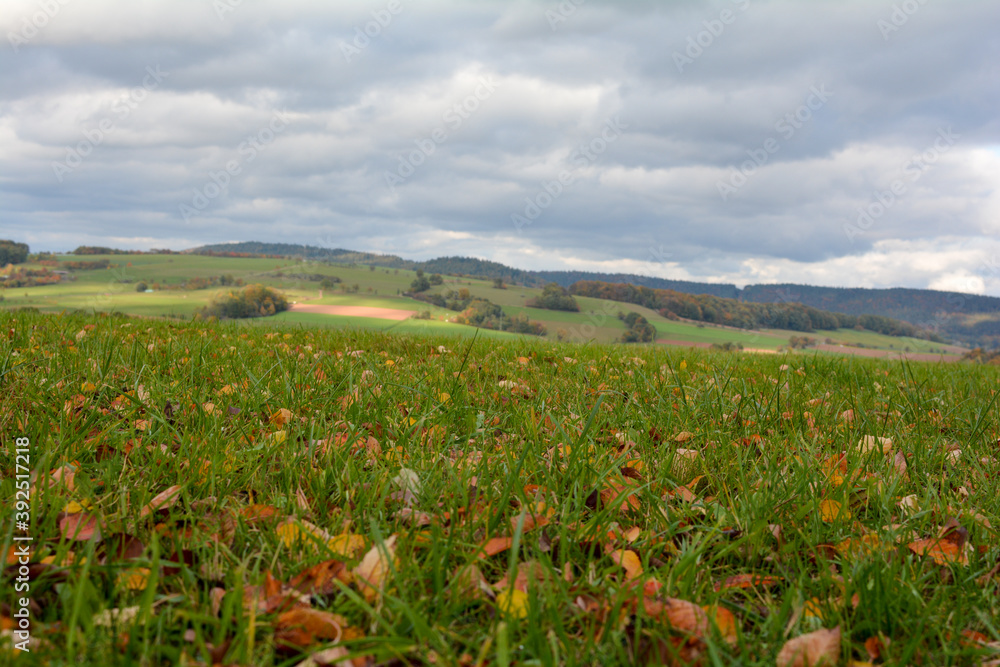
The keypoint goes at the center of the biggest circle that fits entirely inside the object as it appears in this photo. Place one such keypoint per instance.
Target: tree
(251, 301)
(12, 252)
(141, 287)
(420, 283)
(436, 279)
(555, 297)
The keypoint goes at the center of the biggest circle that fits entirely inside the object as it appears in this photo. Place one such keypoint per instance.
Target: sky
(830, 142)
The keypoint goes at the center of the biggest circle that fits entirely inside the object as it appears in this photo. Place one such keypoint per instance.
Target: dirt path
(353, 311)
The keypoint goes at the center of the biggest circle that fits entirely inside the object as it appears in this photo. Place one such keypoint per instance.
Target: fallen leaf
(629, 560)
(496, 545)
(831, 510)
(375, 567)
(162, 501)
(82, 527)
(811, 650)
(942, 551)
(468, 581)
(683, 436)
(348, 544)
(682, 615)
(116, 617)
(280, 417)
(513, 603)
(748, 581)
(321, 579)
(303, 626)
(725, 623)
(134, 579)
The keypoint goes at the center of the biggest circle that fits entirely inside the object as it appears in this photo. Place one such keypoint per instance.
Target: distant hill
(965, 318)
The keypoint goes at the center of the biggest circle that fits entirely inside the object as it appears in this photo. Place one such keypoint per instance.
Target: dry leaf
(629, 560)
(496, 545)
(513, 603)
(321, 579)
(82, 527)
(373, 570)
(811, 650)
(162, 501)
(303, 626)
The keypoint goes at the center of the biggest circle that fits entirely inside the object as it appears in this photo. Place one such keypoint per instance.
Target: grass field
(211, 493)
(113, 290)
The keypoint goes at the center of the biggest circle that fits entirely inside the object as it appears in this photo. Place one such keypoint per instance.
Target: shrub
(555, 297)
(141, 287)
(251, 301)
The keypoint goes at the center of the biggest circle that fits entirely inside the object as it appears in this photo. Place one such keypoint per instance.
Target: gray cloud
(388, 141)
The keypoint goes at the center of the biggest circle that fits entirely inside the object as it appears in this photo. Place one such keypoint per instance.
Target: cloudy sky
(832, 142)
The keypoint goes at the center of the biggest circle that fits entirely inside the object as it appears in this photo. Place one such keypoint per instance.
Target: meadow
(113, 290)
(221, 493)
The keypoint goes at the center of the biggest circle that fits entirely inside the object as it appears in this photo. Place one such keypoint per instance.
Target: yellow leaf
(390, 362)
(293, 532)
(74, 507)
(513, 603)
(684, 364)
(831, 510)
(444, 397)
(279, 436)
(88, 387)
(134, 579)
(629, 560)
(208, 407)
(347, 544)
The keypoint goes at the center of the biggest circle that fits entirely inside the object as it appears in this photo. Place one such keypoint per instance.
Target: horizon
(844, 144)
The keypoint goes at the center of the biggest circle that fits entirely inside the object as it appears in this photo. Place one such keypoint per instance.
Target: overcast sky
(852, 143)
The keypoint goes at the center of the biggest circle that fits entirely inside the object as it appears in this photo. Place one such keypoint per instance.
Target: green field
(209, 493)
(113, 290)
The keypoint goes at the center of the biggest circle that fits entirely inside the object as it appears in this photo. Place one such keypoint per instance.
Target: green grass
(595, 439)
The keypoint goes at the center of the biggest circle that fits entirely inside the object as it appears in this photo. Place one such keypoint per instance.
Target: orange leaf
(725, 621)
(496, 545)
(942, 551)
(811, 650)
(303, 626)
(680, 614)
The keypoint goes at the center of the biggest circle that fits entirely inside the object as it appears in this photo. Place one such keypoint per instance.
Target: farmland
(113, 290)
(223, 493)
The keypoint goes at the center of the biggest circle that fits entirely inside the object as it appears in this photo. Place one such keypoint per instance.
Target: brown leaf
(162, 501)
(303, 626)
(811, 650)
(748, 581)
(496, 545)
(629, 560)
(680, 614)
(82, 527)
(899, 463)
(373, 570)
(321, 579)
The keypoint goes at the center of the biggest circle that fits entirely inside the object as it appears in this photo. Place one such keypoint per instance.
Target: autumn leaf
(943, 552)
(496, 545)
(162, 501)
(83, 527)
(321, 579)
(134, 579)
(681, 615)
(811, 650)
(629, 560)
(513, 603)
(748, 581)
(348, 544)
(303, 626)
(373, 570)
(280, 417)
(468, 581)
(831, 510)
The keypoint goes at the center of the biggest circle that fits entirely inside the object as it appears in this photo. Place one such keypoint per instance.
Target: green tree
(12, 252)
